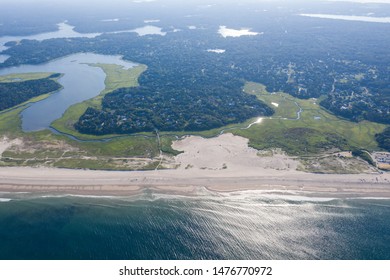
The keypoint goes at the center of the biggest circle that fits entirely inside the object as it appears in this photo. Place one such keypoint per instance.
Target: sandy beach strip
(221, 164)
(88, 182)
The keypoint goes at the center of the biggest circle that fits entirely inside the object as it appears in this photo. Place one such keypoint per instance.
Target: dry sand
(224, 163)
(5, 143)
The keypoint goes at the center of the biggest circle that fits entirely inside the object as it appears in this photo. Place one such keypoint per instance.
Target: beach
(222, 164)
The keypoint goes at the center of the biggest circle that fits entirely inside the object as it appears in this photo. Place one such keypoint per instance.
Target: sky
(363, 1)
(146, 1)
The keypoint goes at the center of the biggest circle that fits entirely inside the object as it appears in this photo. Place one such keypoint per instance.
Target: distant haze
(364, 1)
(113, 2)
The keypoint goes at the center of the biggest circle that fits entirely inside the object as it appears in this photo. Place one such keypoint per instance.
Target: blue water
(243, 225)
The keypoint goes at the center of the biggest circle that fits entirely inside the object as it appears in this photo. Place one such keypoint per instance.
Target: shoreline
(128, 183)
(220, 164)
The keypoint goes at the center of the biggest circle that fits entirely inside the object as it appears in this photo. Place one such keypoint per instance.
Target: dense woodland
(188, 88)
(131, 110)
(15, 93)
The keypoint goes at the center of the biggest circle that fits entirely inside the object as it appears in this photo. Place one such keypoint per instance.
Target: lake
(80, 82)
(64, 31)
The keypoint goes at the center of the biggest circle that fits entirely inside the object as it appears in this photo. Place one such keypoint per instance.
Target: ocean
(209, 225)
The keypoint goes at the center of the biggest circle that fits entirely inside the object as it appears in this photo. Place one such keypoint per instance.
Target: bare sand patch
(5, 143)
(228, 152)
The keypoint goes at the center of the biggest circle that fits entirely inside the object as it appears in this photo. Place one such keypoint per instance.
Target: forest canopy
(17, 92)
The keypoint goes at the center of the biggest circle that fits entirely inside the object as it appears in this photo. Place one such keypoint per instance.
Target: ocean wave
(5, 199)
(368, 198)
(287, 195)
(198, 193)
(77, 195)
(1, 193)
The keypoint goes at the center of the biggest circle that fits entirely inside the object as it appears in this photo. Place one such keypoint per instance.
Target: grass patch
(10, 122)
(166, 145)
(85, 164)
(333, 164)
(127, 146)
(316, 130)
(20, 77)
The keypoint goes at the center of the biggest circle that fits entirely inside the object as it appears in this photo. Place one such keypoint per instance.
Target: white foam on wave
(5, 199)
(77, 195)
(369, 198)
(242, 195)
(278, 194)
